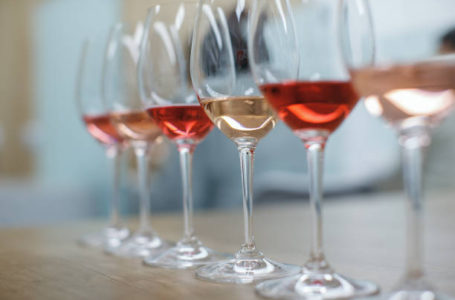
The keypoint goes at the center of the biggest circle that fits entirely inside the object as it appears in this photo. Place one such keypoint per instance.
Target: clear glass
(169, 99)
(409, 84)
(296, 64)
(120, 93)
(225, 88)
(96, 118)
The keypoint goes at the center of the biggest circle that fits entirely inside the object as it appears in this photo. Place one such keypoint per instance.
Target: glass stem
(113, 154)
(315, 157)
(246, 165)
(141, 152)
(186, 160)
(412, 157)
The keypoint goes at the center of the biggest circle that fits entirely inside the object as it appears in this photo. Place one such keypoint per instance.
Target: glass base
(413, 295)
(107, 237)
(140, 244)
(416, 288)
(187, 254)
(247, 266)
(312, 285)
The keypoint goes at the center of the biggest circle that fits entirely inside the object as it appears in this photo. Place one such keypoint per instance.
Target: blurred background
(52, 171)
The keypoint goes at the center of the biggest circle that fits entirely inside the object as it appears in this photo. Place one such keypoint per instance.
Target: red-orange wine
(186, 121)
(101, 128)
(318, 105)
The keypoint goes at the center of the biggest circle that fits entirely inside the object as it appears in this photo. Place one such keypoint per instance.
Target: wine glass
(304, 80)
(135, 126)
(167, 94)
(411, 85)
(226, 90)
(93, 112)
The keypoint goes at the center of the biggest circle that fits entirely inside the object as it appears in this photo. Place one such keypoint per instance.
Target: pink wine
(101, 128)
(136, 125)
(318, 105)
(182, 121)
(248, 117)
(406, 95)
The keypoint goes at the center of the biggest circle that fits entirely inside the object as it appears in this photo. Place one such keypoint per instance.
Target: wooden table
(364, 239)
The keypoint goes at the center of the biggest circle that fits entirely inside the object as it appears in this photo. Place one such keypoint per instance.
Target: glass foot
(414, 289)
(186, 254)
(246, 267)
(107, 237)
(140, 244)
(311, 285)
(413, 295)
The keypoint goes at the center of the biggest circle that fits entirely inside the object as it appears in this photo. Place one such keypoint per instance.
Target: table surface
(364, 239)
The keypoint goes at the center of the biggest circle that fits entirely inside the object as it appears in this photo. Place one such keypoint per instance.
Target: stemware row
(192, 66)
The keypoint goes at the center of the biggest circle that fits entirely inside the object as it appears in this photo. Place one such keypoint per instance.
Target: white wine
(408, 95)
(136, 125)
(248, 117)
